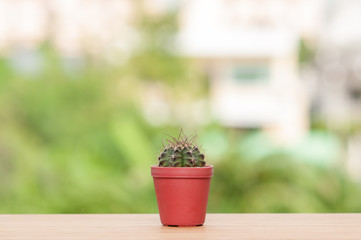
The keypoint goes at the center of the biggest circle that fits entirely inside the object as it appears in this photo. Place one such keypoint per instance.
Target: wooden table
(147, 226)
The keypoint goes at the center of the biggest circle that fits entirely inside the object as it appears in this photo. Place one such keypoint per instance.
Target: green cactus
(181, 152)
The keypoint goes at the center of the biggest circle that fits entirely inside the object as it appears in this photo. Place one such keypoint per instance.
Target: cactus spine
(181, 152)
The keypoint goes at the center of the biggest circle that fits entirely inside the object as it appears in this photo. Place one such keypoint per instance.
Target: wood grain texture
(147, 226)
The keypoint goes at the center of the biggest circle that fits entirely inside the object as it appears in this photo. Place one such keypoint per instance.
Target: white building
(251, 59)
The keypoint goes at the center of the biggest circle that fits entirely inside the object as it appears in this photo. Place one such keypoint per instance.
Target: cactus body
(181, 152)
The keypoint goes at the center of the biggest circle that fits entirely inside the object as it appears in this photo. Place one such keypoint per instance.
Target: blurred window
(250, 74)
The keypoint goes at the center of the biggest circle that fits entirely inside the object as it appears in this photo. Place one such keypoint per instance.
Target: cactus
(181, 152)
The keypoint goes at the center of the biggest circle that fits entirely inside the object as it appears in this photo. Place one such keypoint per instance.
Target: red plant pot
(182, 194)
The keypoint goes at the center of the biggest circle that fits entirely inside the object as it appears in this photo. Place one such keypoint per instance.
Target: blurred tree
(157, 57)
(306, 53)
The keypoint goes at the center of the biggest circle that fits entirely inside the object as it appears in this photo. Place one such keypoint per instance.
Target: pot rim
(182, 172)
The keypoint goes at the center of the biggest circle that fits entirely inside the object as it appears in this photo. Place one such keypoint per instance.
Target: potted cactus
(181, 182)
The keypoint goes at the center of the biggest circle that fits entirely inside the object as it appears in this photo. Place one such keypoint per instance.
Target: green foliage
(182, 152)
(306, 53)
(64, 143)
(280, 184)
(77, 146)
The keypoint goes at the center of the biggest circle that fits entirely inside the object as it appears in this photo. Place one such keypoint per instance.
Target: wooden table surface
(147, 226)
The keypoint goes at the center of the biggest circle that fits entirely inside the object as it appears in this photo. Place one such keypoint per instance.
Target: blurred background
(89, 88)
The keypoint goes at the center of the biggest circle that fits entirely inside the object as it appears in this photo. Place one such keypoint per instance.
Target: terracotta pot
(182, 194)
